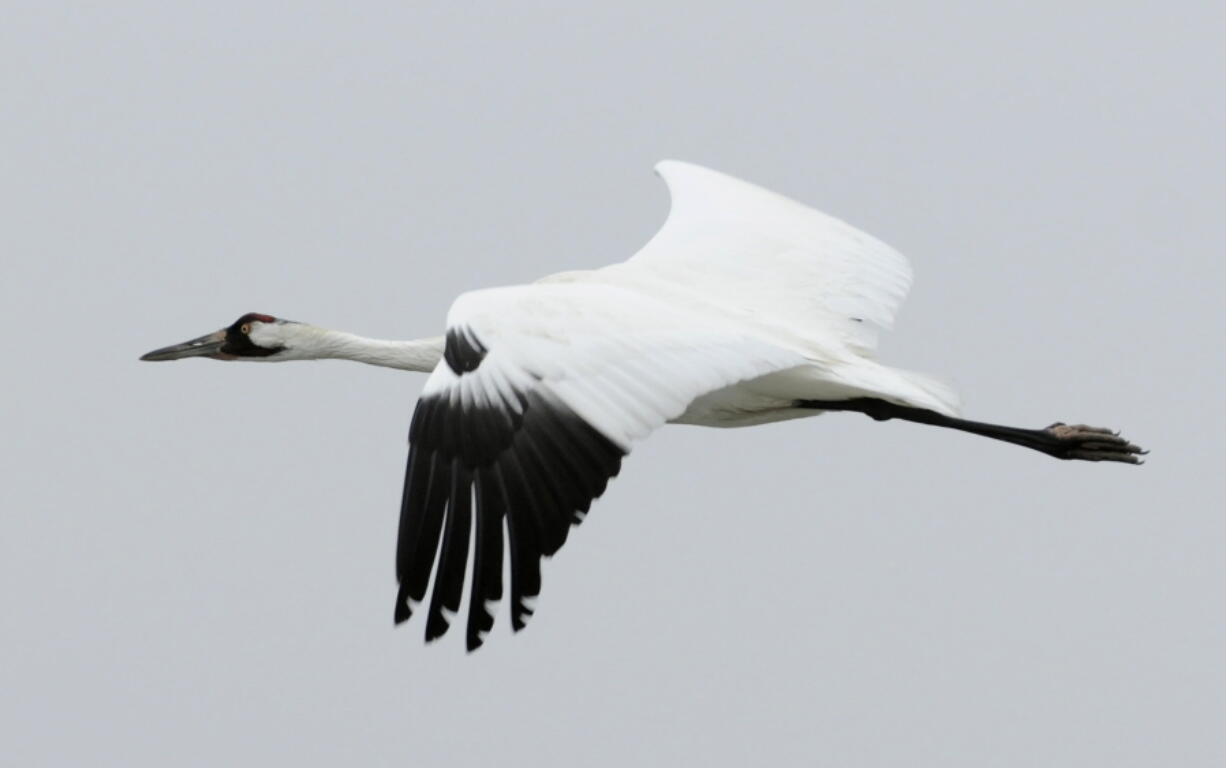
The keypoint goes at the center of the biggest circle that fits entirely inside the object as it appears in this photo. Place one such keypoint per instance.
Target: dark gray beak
(208, 345)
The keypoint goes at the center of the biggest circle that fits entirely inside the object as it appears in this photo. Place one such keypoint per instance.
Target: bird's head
(251, 337)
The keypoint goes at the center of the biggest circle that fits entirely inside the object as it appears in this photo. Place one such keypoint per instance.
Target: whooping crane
(745, 308)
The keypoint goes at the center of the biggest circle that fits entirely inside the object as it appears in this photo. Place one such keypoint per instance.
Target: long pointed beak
(208, 345)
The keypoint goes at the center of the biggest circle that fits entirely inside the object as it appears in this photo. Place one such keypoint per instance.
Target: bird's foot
(1078, 441)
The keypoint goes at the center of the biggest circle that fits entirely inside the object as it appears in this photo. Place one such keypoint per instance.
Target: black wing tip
(436, 627)
(537, 467)
(403, 611)
(480, 622)
(522, 611)
(402, 614)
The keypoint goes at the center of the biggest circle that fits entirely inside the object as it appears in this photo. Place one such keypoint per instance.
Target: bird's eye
(246, 329)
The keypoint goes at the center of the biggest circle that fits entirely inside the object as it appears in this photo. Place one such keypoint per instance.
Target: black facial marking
(240, 345)
(462, 351)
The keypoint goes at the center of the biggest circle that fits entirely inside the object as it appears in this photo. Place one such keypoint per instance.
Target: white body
(744, 302)
(733, 264)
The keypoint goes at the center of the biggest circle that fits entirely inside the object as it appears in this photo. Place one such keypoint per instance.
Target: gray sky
(196, 559)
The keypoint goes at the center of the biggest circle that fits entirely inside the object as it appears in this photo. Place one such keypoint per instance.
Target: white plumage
(745, 308)
(746, 247)
(556, 337)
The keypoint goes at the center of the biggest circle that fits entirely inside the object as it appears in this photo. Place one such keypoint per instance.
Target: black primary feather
(521, 461)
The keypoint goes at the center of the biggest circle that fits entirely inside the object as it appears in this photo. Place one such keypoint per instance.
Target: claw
(1081, 441)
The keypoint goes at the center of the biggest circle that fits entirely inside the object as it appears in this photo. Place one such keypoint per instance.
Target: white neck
(307, 342)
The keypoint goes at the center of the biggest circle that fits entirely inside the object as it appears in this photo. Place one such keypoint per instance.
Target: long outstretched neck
(322, 343)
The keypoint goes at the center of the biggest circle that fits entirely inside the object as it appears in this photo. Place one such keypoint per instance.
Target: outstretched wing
(744, 246)
(541, 392)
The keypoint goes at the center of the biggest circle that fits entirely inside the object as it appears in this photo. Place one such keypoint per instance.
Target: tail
(915, 390)
(936, 390)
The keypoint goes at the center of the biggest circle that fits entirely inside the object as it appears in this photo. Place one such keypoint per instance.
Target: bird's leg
(1064, 441)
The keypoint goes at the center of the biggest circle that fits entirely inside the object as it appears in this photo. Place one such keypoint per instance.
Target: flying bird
(745, 308)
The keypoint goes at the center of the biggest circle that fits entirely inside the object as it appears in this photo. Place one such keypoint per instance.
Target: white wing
(746, 247)
(542, 390)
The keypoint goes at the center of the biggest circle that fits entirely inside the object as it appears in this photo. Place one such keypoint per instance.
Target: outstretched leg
(1063, 441)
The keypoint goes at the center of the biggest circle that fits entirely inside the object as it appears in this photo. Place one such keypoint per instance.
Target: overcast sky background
(196, 558)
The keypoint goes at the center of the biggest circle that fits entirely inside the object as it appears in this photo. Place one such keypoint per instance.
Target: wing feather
(454, 553)
(487, 557)
(744, 246)
(526, 419)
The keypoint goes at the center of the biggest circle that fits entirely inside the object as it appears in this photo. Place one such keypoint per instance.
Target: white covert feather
(744, 246)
